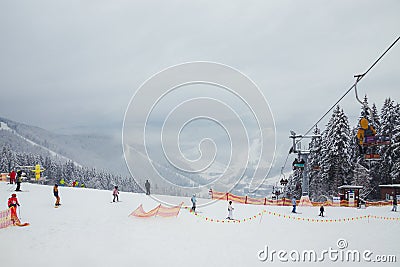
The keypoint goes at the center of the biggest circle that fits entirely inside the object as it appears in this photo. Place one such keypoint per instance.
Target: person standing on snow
(19, 180)
(230, 211)
(12, 175)
(321, 211)
(12, 204)
(194, 200)
(115, 193)
(394, 203)
(294, 204)
(147, 185)
(55, 192)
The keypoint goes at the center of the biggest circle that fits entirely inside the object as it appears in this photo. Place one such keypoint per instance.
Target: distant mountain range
(102, 151)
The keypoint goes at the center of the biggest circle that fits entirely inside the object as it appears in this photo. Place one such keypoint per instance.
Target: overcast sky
(68, 64)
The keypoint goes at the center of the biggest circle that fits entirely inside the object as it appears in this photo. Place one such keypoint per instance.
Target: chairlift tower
(303, 154)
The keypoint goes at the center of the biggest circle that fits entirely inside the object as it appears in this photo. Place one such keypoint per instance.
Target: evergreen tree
(376, 120)
(336, 152)
(293, 188)
(388, 128)
(318, 186)
(395, 172)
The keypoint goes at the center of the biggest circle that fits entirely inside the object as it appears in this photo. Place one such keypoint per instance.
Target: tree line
(336, 158)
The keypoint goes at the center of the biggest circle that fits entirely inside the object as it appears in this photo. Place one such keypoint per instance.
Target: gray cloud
(77, 63)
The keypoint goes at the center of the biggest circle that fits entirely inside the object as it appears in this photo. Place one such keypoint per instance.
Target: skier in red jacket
(12, 204)
(12, 175)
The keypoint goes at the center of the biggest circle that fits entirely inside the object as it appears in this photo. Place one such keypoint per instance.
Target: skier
(55, 192)
(394, 203)
(194, 200)
(321, 211)
(147, 185)
(19, 180)
(115, 193)
(12, 204)
(230, 211)
(12, 175)
(62, 182)
(294, 205)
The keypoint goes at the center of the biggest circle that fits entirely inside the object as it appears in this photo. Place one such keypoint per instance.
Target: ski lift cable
(359, 78)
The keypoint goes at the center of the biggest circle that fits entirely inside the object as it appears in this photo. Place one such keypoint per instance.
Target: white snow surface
(89, 230)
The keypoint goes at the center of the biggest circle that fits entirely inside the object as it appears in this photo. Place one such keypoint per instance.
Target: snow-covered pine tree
(376, 120)
(318, 187)
(336, 152)
(395, 173)
(5, 159)
(388, 125)
(373, 166)
(293, 188)
(365, 113)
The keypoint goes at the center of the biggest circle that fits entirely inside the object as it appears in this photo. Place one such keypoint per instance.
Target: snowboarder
(194, 200)
(294, 204)
(12, 204)
(147, 185)
(321, 211)
(230, 211)
(55, 192)
(394, 203)
(115, 193)
(12, 175)
(19, 180)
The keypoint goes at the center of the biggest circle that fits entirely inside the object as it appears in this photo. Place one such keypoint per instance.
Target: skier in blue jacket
(194, 200)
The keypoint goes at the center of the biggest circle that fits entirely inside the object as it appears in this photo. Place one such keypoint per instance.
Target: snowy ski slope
(89, 230)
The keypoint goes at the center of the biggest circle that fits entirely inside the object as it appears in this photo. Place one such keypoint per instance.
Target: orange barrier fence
(9, 217)
(287, 202)
(160, 210)
(5, 218)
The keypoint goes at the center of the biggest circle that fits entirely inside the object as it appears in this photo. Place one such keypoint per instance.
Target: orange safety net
(169, 211)
(237, 199)
(255, 201)
(5, 218)
(160, 210)
(139, 212)
(219, 195)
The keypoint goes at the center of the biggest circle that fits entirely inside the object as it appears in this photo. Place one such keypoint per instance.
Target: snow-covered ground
(89, 230)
